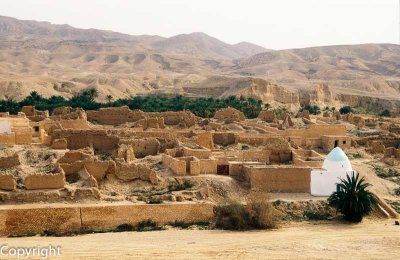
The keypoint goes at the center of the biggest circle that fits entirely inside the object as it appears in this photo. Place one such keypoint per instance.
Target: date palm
(353, 199)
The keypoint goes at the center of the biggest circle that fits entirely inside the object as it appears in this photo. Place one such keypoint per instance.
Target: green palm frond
(353, 199)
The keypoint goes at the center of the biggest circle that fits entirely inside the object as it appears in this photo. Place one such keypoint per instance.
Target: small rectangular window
(344, 142)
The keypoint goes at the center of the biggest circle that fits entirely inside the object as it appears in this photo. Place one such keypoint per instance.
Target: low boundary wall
(34, 219)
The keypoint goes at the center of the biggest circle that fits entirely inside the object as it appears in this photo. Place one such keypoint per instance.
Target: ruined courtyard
(145, 161)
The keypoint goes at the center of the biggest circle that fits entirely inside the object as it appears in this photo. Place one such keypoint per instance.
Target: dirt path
(369, 240)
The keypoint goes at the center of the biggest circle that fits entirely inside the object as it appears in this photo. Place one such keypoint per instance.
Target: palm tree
(109, 98)
(353, 199)
(267, 106)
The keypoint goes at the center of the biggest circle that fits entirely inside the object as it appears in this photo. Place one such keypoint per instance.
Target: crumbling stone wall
(60, 144)
(229, 115)
(7, 139)
(68, 113)
(100, 140)
(125, 151)
(375, 146)
(203, 166)
(255, 155)
(73, 162)
(7, 182)
(131, 171)
(307, 158)
(236, 169)
(114, 115)
(178, 167)
(317, 131)
(204, 139)
(357, 120)
(224, 138)
(34, 114)
(44, 181)
(143, 147)
(280, 148)
(155, 122)
(198, 153)
(392, 156)
(331, 141)
(267, 116)
(120, 115)
(97, 168)
(9, 161)
(183, 118)
(394, 128)
(209, 126)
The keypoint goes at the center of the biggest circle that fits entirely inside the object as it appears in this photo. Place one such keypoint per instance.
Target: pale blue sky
(276, 24)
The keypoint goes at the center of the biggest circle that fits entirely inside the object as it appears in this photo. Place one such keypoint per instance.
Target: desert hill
(63, 60)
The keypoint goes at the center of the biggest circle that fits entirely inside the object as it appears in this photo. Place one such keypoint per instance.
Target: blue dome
(337, 155)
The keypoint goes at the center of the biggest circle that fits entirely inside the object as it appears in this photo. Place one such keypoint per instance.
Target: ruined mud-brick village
(76, 171)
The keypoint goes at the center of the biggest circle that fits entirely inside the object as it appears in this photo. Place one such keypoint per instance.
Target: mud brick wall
(329, 141)
(224, 138)
(7, 139)
(143, 147)
(229, 115)
(7, 182)
(204, 139)
(9, 161)
(78, 139)
(44, 181)
(198, 153)
(178, 167)
(16, 220)
(279, 179)
(23, 136)
(317, 131)
(112, 216)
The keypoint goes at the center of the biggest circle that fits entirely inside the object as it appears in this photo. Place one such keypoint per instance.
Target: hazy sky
(276, 24)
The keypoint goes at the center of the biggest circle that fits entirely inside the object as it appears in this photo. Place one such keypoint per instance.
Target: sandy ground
(369, 240)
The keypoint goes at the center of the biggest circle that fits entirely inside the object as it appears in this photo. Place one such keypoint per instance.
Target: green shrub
(124, 228)
(357, 155)
(353, 199)
(396, 191)
(154, 201)
(180, 224)
(176, 186)
(386, 113)
(346, 110)
(315, 110)
(385, 172)
(316, 215)
(147, 225)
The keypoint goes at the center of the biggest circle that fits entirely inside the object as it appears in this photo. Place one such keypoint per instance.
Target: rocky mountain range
(63, 60)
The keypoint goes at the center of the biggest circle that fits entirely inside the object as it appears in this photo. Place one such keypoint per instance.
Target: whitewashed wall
(323, 183)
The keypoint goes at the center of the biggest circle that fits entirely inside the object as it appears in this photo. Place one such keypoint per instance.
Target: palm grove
(203, 107)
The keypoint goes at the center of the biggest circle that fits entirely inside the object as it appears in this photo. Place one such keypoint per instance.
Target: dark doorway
(36, 128)
(336, 143)
(223, 169)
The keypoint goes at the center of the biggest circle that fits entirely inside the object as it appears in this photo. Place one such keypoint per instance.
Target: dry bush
(231, 215)
(257, 213)
(262, 213)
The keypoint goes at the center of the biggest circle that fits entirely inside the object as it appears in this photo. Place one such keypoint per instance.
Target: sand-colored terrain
(307, 240)
(62, 60)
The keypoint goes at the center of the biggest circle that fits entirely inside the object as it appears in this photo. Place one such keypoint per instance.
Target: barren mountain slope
(62, 60)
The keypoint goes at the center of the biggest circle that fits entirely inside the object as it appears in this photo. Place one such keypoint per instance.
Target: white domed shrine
(336, 166)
